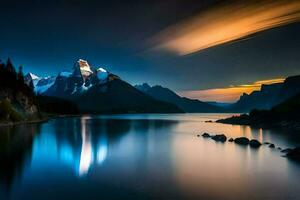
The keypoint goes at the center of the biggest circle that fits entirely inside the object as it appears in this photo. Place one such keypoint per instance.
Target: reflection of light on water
(81, 157)
(86, 155)
(102, 149)
(101, 154)
(66, 153)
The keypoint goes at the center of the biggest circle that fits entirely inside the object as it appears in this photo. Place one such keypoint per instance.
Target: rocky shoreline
(249, 121)
(45, 118)
(292, 153)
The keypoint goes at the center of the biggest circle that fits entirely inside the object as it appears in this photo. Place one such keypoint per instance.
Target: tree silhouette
(31, 86)
(20, 75)
(12, 81)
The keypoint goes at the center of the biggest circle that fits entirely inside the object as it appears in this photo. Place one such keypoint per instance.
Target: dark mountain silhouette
(54, 105)
(284, 115)
(119, 96)
(186, 104)
(268, 96)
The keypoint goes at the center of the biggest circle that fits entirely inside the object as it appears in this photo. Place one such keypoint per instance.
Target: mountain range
(265, 98)
(268, 96)
(188, 105)
(96, 90)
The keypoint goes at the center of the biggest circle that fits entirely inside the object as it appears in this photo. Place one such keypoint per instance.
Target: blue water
(152, 156)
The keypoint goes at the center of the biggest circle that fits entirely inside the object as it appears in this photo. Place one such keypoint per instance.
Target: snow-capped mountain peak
(84, 67)
(33, 76)
(43, 84)
(74, 82)
(30, 77)
(101, 69)
(102, 74)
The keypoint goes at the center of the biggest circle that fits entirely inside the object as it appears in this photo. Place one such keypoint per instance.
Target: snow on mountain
(95, 90)
(65, 73)
(73, 82)
(84, 68)
(44, 84)
(31, 77)
(102, 74)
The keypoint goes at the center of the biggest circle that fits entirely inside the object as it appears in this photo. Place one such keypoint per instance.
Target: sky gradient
(131, 39)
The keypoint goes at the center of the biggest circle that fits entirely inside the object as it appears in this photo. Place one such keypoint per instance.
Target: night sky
(141, 40)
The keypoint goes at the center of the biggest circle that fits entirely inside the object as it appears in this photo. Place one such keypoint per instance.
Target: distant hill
(219, 104)
(284, 115)
(186, 104)
(96, 90)
(268, 96)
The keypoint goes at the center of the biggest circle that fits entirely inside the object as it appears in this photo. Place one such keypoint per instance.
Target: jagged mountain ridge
(268, 96)
(186, 104)
(96, 90)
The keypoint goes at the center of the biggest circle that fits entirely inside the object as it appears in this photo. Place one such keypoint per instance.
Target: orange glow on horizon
(229, 94)
(224, 24)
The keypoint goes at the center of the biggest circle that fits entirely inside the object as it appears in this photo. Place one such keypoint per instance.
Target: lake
(144, 156)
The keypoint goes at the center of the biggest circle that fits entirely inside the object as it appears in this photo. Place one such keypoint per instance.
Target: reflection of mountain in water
(76, 145)
(73, 144)
(96, 135)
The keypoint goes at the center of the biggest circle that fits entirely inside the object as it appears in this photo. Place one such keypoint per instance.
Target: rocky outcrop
(286, 150)
(206, 135)
(254, 143)
(268, 96)
(242, 140)
(219, 138)
(272, 145)
(294, 153)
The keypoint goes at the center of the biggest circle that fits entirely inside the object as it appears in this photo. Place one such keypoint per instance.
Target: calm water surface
(143, 157)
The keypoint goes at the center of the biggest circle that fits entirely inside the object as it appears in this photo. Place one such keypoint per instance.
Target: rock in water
(286, 150)
(206, 135)
(272, 146)
(231, 140)
(254, 143)
(219, 138)
(294, 153)
(242, 140)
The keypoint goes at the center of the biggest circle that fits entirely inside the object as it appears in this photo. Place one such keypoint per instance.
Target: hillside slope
(186, 104)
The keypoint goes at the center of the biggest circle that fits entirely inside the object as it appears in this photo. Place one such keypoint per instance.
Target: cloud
(226, 23)
(229, 94)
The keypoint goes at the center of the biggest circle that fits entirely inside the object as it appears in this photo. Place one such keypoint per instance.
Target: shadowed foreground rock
(219, 138)
(272, 146)
(254, 143)
(286, 150)
(242, 140)
(206, 135)
(294, 153)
